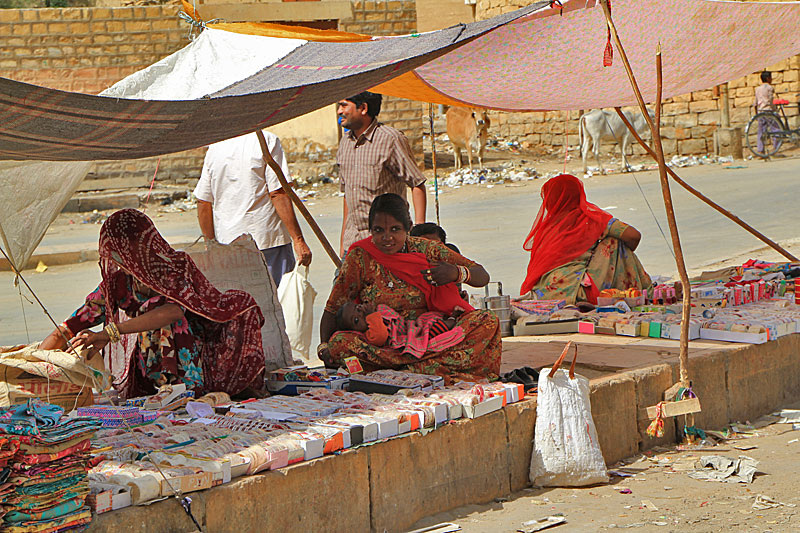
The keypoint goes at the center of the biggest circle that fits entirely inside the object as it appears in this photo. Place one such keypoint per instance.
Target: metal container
(500, 305)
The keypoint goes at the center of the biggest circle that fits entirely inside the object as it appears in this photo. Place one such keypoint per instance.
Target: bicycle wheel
(764, 134)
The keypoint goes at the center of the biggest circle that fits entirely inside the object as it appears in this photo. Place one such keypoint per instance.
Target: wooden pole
(296, 201)
(757, 234)
(665, 191)
(433, 162)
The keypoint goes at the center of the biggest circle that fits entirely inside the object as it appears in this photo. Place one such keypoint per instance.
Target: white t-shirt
(237, 181)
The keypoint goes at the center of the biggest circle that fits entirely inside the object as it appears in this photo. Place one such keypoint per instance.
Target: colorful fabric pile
(45, 481)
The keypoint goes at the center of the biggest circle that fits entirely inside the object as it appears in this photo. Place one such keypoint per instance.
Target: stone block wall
(391, 17)
(88, 49)
(688, 121)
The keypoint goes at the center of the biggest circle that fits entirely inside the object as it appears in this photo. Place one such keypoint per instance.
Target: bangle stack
(463, 275)
(113, 332)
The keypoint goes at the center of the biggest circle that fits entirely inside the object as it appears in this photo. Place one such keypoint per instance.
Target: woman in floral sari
(412, 276)
(179, 327)
(577, 249)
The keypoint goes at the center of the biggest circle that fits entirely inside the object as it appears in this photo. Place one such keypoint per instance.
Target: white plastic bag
(297, 300)
(566, 452)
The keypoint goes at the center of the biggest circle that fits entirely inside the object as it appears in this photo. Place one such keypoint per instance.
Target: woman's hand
(55, 341)
(440, 273)
(94, 342)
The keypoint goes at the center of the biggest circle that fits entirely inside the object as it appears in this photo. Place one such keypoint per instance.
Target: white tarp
(36, 191)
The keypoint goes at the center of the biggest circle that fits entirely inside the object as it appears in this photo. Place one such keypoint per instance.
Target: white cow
(599, 125)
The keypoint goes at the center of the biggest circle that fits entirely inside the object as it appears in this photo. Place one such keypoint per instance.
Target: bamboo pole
(433, 161)
(665, 191)
(296, 201)
(757, 234)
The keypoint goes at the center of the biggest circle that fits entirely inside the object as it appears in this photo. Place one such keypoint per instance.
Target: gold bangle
(113, 332)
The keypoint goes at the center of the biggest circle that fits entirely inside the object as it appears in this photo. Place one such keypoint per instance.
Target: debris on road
(542, 523)
(725, 469)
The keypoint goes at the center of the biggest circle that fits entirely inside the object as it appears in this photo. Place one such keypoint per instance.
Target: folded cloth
(61, 509)
(56, 525)
(29, 418)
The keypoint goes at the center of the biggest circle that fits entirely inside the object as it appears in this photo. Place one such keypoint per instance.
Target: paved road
(489, 226)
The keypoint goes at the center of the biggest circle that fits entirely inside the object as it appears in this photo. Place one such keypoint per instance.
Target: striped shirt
(380, 161)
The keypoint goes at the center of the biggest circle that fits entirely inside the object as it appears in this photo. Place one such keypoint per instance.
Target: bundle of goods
(541, 309)
(610, 297)
(391, 381)
(298, 379)
(46, 464)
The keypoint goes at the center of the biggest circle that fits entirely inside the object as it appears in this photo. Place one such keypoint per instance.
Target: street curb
(68, 258)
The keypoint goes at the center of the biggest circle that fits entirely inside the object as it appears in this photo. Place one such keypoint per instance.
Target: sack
(297, 300)
(566, 452)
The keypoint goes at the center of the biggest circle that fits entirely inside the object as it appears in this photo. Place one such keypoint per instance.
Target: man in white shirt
(238, 193)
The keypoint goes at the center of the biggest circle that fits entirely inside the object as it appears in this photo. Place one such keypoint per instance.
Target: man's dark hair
(427, 228)
(394, 206)
(765, 76)
(373, 101)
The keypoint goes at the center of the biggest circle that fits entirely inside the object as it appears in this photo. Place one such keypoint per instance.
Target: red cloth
(377, 333)
(408, 266)
(565, 227)
(232, 348)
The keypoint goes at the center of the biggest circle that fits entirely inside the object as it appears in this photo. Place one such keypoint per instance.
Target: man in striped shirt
(373, 159)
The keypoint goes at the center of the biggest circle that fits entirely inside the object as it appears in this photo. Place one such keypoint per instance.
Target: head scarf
(408, 266)
(566, 227)
(131, 245)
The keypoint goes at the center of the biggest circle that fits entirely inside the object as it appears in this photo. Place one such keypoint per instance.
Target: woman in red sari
(577, 249)
(412, 276)
(162, 313)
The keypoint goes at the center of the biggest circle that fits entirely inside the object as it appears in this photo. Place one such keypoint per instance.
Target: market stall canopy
(243, 77)
(221, 85)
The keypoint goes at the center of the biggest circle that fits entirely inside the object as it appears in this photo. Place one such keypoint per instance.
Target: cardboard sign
(240, 265)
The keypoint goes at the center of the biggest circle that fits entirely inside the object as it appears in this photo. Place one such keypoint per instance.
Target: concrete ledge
(391, 485)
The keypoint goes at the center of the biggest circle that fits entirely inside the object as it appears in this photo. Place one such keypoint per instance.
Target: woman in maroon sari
(171, 323)
(412, 276)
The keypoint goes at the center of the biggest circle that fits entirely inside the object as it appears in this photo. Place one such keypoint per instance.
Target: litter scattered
(725, 469)
(95, 217)
(180, 206)
(788, 416)
(444, 527)
(767, 502)
(619, 474)
(490, 175)
(41, 267)
(637, 524)
(647, 504)
(542, 523)
(793, 440)
(624, 490)
(746, 447)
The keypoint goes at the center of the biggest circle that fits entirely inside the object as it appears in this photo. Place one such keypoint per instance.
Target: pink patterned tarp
(552, 62)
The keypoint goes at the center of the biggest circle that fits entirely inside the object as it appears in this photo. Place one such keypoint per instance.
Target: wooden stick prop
(296, 201)
(750, 229)
(433, 161)
(655, 130)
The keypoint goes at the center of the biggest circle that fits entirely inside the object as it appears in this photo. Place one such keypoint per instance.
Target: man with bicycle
(765, 94)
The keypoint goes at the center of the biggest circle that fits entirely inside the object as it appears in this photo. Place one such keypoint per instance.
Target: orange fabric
(286, 31)
(377, 333)
(412, 87)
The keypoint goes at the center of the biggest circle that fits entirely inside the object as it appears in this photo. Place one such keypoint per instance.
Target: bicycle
(770, 126)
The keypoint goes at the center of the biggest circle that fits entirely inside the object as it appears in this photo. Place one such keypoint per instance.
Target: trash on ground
(624, 490)
(725, 469)
(444, 527)
(41, 267)
(647, 504)
(746, 447)
(788, 416)
(768, 502)
(542, 523)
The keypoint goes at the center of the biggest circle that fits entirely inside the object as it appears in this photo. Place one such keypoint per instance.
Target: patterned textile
(29, 418)
(380, 161)
(415, 337)
(363, 278)
(226, 326)
(611, 265)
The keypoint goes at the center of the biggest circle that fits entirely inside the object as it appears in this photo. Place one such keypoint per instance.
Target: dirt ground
(663, 498)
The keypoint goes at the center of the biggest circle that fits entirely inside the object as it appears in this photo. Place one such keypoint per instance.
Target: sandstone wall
(689, 120)
(88, 49)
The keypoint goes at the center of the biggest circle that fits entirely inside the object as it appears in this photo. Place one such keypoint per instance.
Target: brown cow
(467, 129)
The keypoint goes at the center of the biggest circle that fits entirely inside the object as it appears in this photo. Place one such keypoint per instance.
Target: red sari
(380, 280)
(224, 328)
(565, 227)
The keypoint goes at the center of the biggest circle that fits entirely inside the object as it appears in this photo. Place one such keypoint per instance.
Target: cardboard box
(487, 406)
(673, 331)
(109, 500)
(733, 336)
(294, 388)
(586, 327)
(528, 326)
(627, 330)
